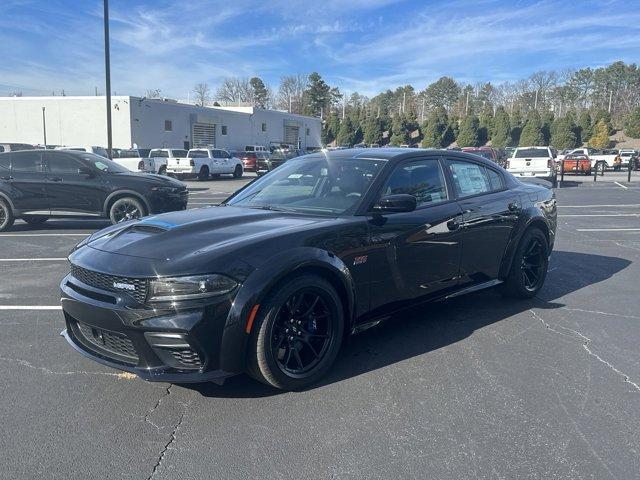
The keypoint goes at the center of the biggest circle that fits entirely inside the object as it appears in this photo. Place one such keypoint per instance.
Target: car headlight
(189, 288)
(166, 189)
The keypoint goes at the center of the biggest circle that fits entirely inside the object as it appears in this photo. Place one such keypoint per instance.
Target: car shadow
(60, 224)
(428, 327)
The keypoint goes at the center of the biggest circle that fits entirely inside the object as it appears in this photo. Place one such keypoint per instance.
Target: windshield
(104, 164)
(531, 153)
(312, 184)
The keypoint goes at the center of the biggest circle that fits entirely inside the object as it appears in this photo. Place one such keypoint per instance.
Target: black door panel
(26, 182)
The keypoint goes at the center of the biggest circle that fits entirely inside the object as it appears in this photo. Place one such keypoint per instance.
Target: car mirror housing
(401, 202)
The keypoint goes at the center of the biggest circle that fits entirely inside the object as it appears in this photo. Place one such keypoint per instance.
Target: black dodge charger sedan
(271, 281)
(38, 184)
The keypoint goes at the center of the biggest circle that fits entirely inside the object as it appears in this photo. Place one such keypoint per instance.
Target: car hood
(184, 235)
(160, 180)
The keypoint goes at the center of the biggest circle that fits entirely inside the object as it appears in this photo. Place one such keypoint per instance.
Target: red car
(577, 163)
(250, 159)
(487, 152)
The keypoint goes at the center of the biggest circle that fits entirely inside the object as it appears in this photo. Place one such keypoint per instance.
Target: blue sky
(359, 45)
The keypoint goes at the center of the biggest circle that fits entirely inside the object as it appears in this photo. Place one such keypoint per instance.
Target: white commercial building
(150, 123)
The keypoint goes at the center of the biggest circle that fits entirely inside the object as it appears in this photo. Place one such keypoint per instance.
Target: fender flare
(533, 217)
(8, 200)
(118, 193)
(261, 281)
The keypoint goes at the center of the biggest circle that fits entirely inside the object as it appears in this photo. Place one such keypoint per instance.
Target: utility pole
(96, 88)
(44, 127)
(289, 103)
(404, 99)
(344, 104)
(466, 108)
(535, 103)
(422, 112)
(107, 74)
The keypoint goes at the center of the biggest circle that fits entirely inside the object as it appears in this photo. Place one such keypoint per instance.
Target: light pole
(107, 73)
(44, 127)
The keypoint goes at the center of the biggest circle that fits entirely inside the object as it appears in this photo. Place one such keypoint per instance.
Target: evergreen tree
(532, 131)
(602, 114)
(436, 128)
(563, 133)
(260, 93)
(547, 121)
(346, 133)
(485, 125)
(633, 124)
(372, 131)
(516, 127)
(501, 134)
(585, 127)
(600, 138)
(400, 131)
(468, 135)
(317, 96)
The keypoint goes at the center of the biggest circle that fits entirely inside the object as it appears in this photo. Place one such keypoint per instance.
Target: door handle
(55, 179)
(7, 177)
(514, 207)
(453, 225)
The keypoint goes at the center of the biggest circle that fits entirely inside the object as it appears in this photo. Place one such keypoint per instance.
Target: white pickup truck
(205, 163)
(598, 157)
(159, 158)
(536, 162)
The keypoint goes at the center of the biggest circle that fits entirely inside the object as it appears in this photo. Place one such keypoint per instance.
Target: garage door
(291, 134)
(203, 135)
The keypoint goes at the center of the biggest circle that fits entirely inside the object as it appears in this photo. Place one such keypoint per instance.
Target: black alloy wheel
(125, 209)
(529, 266)
(6, 216)
(297, 333)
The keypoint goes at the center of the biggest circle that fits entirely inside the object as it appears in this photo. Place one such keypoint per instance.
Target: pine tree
(516, 127)
(501, 134)
(547, 121)
(260, 93)
(346, 134)
(585, 127)
(468, 135)
(372, 131)
(600, 138)
(633, 124)
(532, 131)
(400, 131)
(485, 126)
(563, 133)
(436, 128)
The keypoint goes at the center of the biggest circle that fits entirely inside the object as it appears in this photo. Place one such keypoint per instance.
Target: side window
(225, 154)
(495, 179)
(27, 162)
(468, 178)
(62, 164)
(423, 179)
(217, 154)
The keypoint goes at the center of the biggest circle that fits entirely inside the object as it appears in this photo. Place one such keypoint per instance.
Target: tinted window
(62, 164)
(1, 149)
(198, 154)
(495, 179)
(179, 153)
(225, 154)
(217, 154)
(468, 178)
(27, 162)
(424, 180)
(531, 153)
(127, 154)
(103, 164)
(102, 152)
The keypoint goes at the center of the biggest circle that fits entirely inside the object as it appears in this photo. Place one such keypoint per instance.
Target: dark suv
(38, 184)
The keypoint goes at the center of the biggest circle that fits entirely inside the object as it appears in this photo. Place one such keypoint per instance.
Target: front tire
(126, 208)
(203, 174)
(162, 170)
(237, 173)
(6, 216)
(529, 266)
(297, 333)
(35, 220)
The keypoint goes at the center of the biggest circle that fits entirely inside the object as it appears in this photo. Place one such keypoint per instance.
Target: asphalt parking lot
(477, 387)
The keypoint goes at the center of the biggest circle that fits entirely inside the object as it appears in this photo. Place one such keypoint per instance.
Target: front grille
(107, 282)
(112, 342)
(187, 358)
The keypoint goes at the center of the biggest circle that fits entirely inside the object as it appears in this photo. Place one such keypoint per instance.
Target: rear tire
(6, 216)
(35, 220)
(297, 333)
(203, 174)
(529, 266)
(126, 208)
(162, 170)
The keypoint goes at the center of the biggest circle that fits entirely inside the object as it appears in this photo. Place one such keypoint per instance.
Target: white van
(538, 162)
(205, 163)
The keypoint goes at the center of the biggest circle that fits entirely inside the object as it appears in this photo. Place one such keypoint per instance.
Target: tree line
(565, 109)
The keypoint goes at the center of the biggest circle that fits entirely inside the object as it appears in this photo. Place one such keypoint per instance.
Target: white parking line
(33, 259)
(608, 229)
(598, 206)
(45, 234)
(30, 307)
(620, 185)
(603, 215)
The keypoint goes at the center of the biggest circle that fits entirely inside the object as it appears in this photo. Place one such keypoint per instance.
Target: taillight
(507, 164)
(192, 163)
(141, 165)
(550, 163)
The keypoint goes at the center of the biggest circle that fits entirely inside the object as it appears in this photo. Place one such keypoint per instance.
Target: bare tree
(201, 94)
(152, 93)
(235, 90)
(290, 93)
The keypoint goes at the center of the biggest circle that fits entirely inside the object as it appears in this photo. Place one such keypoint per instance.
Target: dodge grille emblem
(124, 286)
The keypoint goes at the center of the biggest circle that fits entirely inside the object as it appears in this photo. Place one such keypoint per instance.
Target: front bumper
(168, 344)
(169, 202)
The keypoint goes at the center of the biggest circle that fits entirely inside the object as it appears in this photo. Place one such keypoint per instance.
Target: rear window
(198, 154)
(159, 153)
(179, 153)
(249, 148)
(129, 154)
(532, 153)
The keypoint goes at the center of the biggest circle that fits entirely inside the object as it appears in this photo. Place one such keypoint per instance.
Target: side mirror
(400, 202)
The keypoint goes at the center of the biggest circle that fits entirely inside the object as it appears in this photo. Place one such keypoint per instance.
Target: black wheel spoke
(296, 354)
(310, 309)
(310, 347)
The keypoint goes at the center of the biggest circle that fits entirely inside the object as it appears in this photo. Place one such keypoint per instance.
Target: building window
(168, 127)
(264, 127)
(224, 130)
(307, 132)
